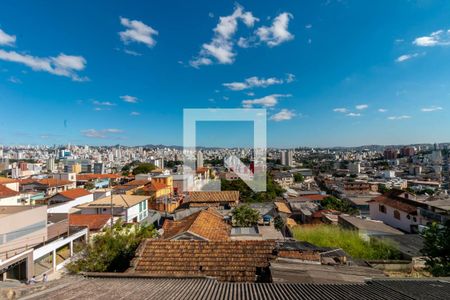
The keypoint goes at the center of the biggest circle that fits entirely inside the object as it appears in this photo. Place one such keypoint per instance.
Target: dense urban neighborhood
(328, 215)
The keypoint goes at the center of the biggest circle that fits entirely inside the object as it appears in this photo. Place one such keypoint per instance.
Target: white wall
(14, 200)
(66, 206)
(388, 218)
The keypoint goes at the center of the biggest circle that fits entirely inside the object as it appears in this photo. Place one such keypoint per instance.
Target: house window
(397, 214)
(382, 209)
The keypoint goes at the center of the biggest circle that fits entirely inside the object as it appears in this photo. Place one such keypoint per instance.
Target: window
(397, 214)
(382, 209)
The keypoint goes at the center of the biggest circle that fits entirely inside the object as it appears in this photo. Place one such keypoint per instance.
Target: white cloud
(437, 38)
(129, 99)
(283, 115)
(267, 101)
(353, 114)
(308, 26)
(340, 110)
(103, 103)
(406, 57)
(131, 52)
(135, 113)
(138, 32)
(361, 106)
(61, 65)
(221, 46)
(277, 33)
(100, 134)
(6, 39)
(403, 117)
(15, 80)
(431, 109)
(254, 82)
(382, 110)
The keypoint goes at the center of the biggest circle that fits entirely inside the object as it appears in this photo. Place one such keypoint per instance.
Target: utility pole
(112, 206)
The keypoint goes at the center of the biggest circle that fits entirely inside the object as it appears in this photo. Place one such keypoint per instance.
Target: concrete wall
(404, 223)
(22, 230)
(65, 207)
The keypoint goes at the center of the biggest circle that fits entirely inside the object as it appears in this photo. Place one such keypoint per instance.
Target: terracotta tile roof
(74, 193)
(315, 197)
(395, 203)
(52, 182)
(4, 180)
(235, 261)
(6, 192)
(155, 186)
(90, 176)
(291, 222)
(220, 196)
(138, 182)
(207, 224)
(283, 207)
(93, 222)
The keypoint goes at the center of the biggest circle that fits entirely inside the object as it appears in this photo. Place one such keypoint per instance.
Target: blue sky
(330, 73)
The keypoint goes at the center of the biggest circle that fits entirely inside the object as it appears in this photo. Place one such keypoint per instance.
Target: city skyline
(330, 73)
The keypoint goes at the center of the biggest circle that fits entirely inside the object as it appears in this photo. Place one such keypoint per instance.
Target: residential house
(9, 196)
(235, 261)
(63, 202)
(397, 209)
(130, 208)
(94, 222)
(218, 199)
(205, 225)
(50, 186)
(367, 228)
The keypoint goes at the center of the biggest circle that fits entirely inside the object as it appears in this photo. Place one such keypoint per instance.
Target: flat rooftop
(13, 209)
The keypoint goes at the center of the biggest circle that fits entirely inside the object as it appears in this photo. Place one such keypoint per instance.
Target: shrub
(348, 240)
(113, 249)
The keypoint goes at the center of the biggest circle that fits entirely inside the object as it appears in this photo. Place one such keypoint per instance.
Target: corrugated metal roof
(179, 289)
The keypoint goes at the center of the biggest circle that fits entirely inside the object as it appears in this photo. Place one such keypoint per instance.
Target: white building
(199, 159)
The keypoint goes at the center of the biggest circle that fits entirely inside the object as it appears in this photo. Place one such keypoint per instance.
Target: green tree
(246, 194)
(143, 168)
(278, 223)
(334, 203)
(89, 186)
(436, 248)
(113, 249)
(298, 177)
(245, 216)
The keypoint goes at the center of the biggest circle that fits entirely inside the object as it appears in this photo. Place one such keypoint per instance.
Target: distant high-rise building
(354, 167)
(408, 151)
(51, 164)
(99, 168)
(390, 154)
(199, 159)
(287, 158)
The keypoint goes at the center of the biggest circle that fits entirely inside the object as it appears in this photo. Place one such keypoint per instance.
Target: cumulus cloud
(283, 115)
(382, 110)
(431, 109)
(402, 117)
(6, 39)
(437, 38)
(101, 134)
(129, 99)
(138, 32)
(267, 101)
(220, 49)
(277, 33)
(405, 57)
(361, 106)
(340, 110)
(254, 82)
(353, 114)
(135, 113)
(61, 65)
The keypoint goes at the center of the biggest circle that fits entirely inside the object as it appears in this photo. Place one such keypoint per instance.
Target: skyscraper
(199, 159)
